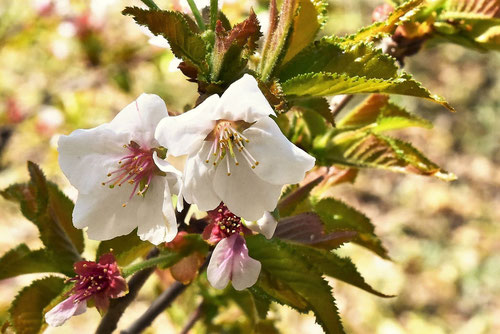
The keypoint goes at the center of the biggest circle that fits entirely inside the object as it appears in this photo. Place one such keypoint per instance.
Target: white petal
(266, 225)
(102, 211)
(198, 180)
(141, 118)
(280, 161)
(245, 270)
(243, 192)
(184, 134)
(63, 311)
(165, 166)
(243, 100)
(87, 156)
(152, 229)
(220, 265)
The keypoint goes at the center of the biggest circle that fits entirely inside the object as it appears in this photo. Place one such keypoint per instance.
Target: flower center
(227, 221)
(136, 168)
(88, 285)
(226, 141)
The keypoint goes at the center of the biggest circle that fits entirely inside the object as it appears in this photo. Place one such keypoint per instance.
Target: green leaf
(324, 84)
(338, 216)
(361, 148)
(379, 114)
(471, 9)
(378, 29)
(290, 200)
(327, 55)
(335, 266)
(26, 312)
(310, 19)
(125, 248)
(287, 279)
(21, 260)
(184, 42)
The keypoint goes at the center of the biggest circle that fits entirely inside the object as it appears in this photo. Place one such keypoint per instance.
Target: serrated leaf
(286, 278)
(184, 42)
(471, 9)
(309, 20)
(327, 55)
(378, 29)
(332, 265)
(51, 211)
(295, 196)
(325, 84)
(365, 149)
(377, 112)
(338, 216)
(26, 312)
(21, 260)
(125, 248)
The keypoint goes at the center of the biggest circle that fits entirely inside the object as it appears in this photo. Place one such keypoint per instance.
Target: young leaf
(324, 84)
(290, 200)
(233, 48)
(337, 216)
(337, 267)
(277, 40)
(471, 9)
(288, 279)
(184, 42)
(21, 260)
(377, 29)
(309, 20)
(317, 105)
(380, 114)
(125, 248)
(361, 148)
(26, 312)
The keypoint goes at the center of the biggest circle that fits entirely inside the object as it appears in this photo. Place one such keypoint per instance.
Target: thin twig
(193, 319)
(339, 102)
(117, 306)
(159, 305)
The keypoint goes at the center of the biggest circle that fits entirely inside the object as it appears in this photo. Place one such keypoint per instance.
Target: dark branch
(339, 102)
(193, 319)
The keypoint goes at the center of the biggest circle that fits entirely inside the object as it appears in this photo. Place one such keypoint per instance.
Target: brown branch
(339, 102)
(193, 319)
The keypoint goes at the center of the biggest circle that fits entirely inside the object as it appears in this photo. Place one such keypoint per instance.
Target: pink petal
(230, 261)
(65, 310)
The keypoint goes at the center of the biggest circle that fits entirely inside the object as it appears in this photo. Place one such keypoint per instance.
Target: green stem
(151, 4)
(196, 14)
(165, 260)
(214, 10)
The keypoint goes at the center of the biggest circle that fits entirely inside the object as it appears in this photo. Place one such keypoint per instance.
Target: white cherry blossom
(122, 183)
(236, 152)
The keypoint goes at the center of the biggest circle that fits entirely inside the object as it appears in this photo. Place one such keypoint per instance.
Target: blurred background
(74, 64)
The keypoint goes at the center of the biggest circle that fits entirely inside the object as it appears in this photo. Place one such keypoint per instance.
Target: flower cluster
(237, 162)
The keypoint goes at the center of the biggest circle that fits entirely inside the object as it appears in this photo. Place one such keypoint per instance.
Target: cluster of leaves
(471, 23)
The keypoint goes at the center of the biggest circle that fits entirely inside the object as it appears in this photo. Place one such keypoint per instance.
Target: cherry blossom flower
(236, 152)
(230, 260)
(98, 281)
(122, 183)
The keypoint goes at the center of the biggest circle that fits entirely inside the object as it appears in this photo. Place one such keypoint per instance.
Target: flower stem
(196, 14)
(214, 10)
(151, 4)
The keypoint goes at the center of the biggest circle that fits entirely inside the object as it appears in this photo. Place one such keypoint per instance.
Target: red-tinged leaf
(289, 202)
(308, 229)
